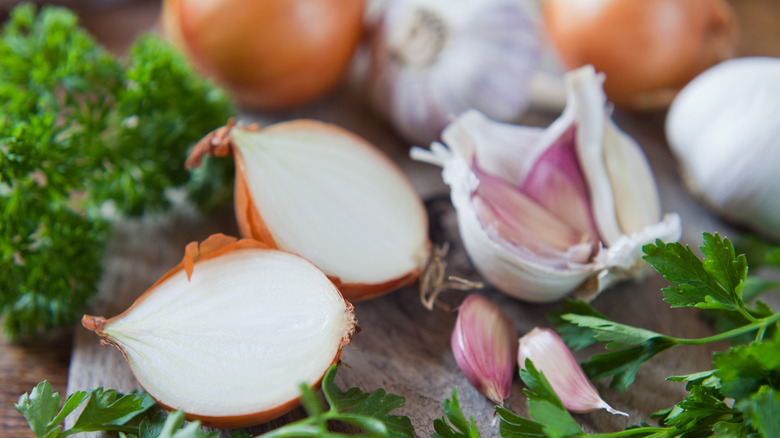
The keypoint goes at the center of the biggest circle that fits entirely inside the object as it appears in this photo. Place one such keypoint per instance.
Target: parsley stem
(742, 311)
(637, 431)
(760, 325)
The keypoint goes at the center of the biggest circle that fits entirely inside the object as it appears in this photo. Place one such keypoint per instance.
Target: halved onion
(324, 193)
(230, 334)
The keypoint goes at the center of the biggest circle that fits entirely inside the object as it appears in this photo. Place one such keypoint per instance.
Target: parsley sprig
(132, 414)
(82, 133)
(716, 283)
(739, 397)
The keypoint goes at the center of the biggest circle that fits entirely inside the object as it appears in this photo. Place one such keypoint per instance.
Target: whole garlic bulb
(543, 212)
(723, 129)
(432, 59)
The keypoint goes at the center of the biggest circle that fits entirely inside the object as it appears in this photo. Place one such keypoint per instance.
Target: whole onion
(648, 49)
(269, 54)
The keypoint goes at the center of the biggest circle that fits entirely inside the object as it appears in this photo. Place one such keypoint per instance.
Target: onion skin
(250, 220)
(648, 49)
(214, 246)
(269, 54)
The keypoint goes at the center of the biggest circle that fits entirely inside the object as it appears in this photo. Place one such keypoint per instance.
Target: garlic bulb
(230, 334)
(435, 58)
(321, 192)
(542, 211)
(550, 355)
(723, 130)
(484, 346)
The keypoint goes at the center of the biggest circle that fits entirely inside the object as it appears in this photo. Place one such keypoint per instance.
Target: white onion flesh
(334, 200)
(238, 338)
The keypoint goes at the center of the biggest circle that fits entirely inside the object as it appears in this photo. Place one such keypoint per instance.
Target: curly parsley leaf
(82, 133)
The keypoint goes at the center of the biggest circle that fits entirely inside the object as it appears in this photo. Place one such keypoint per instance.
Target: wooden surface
(402, 347)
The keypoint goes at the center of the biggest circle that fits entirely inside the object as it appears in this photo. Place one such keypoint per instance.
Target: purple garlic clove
(552, 357)
(484, 346)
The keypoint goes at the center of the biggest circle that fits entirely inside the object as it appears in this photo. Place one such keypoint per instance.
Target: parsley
(454, 424)
(368, 411)
(104, 410)
(131, 415)
(82, 133)
(739, 397)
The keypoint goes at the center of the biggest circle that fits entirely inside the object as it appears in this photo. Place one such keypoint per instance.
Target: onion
(229, 334)
(269, 54)
(649, 49)
(320, 191)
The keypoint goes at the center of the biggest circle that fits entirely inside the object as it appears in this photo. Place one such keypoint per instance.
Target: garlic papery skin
(723, 130)
(550, 355)
(230, 334)
(321, 192)
(431, 59)
(544, 212)
(483, 343)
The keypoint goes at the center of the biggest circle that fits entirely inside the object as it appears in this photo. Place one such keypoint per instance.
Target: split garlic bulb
(230, 334)
(543, 212)
(723, 130)
(322, 192)
(432, 59)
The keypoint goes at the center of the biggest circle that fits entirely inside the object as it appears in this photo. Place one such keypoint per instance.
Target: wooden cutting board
(403, 347)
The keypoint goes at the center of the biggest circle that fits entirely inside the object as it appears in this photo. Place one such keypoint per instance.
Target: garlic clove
(522, 223)
(582, 170)
(229, 334)
(484, 346)
(552, 357)
(556, 182)
(624, 195)
(319, 191)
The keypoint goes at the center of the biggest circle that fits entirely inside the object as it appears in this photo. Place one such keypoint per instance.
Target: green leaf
(614, 334)
(724, 266)
(454, 423)
(575, 337)
(515, 426)
(74, 401)
(39, 408)
(703, 378)
(152, 428)
(544, 406)
(173, 428)
(369, 411)
(338, 399)
(692, 284)
(310, 401)
(624, 364)
(700, 411)
(107, 410)
(743, 370)
(762, 411)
